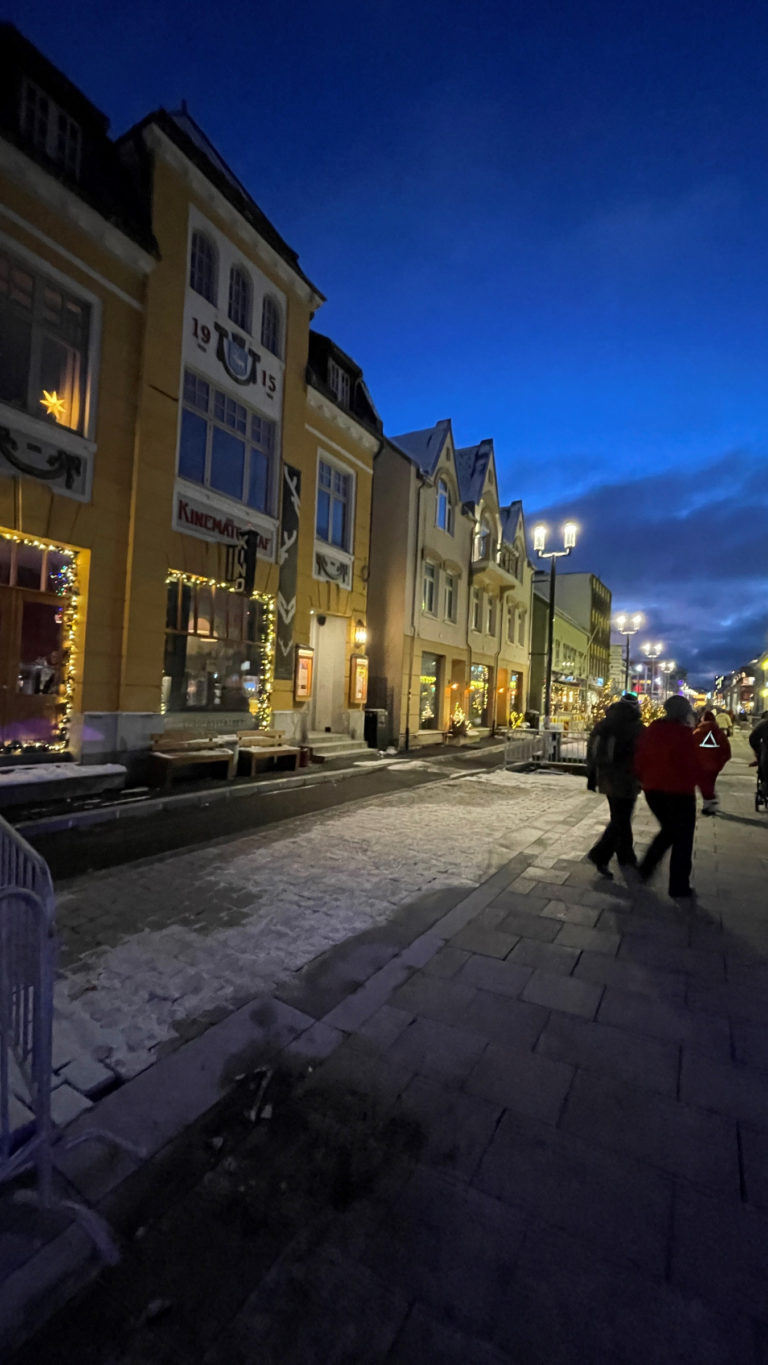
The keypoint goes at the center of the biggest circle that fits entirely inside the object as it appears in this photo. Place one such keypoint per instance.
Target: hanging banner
(287, 558)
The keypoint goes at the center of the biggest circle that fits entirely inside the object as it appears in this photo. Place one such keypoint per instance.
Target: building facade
(570, 654)
(76, 257)
(588, 602)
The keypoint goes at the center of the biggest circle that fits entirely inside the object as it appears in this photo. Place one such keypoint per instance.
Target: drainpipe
(502, 601)
(416, 582)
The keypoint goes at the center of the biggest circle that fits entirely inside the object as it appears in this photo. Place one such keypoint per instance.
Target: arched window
(444, 507)
(240, 298)
(270, 326)
(202, 267)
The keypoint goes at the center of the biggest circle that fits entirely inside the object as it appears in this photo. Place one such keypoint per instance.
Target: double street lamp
(667, 667)
(652, 653)
(628, 625)
(539, 541)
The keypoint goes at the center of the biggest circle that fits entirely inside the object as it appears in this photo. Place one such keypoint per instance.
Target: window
(240, 295)
(491, 616)
(216, 648)
(476, 610)
(429, 588)
(429, 691)
(202, 267)
(338, 383)
(270, 325)
(511, 610)
(451, 596)
(333, 505)
(226, 446)
(444, 507)
(50, 130)
(43, 346)
(521, 628)
(483, 541)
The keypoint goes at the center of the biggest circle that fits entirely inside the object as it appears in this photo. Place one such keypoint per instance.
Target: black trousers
(677, 816)
(617, 836)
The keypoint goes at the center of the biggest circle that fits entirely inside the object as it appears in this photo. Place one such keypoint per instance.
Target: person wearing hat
(610, 770)
(667, 766)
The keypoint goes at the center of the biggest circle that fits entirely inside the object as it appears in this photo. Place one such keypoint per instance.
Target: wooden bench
(264, 747)
(177, 749)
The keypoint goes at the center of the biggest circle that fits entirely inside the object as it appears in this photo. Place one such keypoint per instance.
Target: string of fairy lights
(261, 706)
(66, 584)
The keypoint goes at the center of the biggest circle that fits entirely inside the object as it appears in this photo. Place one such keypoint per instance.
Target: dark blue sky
(547, 221)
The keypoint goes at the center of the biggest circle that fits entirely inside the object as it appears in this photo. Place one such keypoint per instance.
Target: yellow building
(76, 253)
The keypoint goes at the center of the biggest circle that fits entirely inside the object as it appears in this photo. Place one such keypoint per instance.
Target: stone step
(337, 746)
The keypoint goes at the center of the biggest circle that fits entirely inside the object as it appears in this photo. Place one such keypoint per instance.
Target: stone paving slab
(588, 1182)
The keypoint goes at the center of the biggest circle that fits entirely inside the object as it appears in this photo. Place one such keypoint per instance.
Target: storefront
(219, 649)
(39, 593)
(479, 691)
(430, 685)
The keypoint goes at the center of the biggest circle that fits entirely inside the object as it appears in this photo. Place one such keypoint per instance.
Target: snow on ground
(216, 926)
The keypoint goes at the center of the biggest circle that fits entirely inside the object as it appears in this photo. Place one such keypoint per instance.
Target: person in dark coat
(714, 753)
(610, 770)
(758, 742)
(667, 764)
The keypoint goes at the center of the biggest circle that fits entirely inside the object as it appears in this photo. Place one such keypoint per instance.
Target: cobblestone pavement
(153, 952)
(534, 1130)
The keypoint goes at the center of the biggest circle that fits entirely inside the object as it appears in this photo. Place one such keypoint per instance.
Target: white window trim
(336, 375)
(476, 597)
(435, 564)
(225, 499)
(242, 269)
(33, 426)
(325, 546)
(453, 575)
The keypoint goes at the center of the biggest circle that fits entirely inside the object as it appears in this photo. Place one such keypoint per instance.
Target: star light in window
(54, 406)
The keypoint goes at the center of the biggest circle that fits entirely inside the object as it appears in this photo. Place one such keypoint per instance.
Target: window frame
(340, 383)
(490, 614)
(268, 450)
(272, 343)
(451, 596)
(429, 567)
(244, 318)
(477, 611)
(50, 142)
(45, 276)
(336, 468)
(444, 520)
(203, 236)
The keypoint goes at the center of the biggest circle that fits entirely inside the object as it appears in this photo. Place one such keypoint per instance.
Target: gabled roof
(424, 448)
(189, 137)
(510, 516)
(472, 466)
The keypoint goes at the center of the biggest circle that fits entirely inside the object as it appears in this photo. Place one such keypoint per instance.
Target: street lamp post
(652, 653)
(628, 625)
(667, 667)
(539, 541)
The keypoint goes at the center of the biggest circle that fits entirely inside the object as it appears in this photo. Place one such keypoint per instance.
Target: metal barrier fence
(27, 964)
(545, 747)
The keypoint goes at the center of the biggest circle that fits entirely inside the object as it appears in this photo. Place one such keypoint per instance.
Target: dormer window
(483, 541)
(240, 294)
(202, 267)
(50, 130)
(338, 383)
(444, 517)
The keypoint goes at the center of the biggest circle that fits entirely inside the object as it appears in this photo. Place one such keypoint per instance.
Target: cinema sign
(210, 522)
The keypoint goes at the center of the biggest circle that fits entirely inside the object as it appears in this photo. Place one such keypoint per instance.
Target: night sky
(546, 221)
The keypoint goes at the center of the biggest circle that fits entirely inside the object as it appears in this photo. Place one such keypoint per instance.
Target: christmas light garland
(261, 708)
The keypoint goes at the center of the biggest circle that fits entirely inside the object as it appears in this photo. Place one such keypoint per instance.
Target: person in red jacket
(667, 765)
(714, 752)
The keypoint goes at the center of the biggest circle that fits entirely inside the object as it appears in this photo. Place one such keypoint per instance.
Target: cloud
(687, 549)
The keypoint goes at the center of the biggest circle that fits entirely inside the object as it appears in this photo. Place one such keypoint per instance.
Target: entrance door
(31, 640)
(330, 645)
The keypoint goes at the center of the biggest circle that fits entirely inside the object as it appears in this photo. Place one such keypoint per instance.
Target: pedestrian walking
(714, 752)
(610, 770)
(667, 764)
(725, 722)
(758, 742)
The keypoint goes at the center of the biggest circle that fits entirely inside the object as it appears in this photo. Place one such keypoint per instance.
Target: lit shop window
(219, 648)
(50, 130)
(226, 446)
(43, 345)
(334, 491)
(479, 686)
(429, 691)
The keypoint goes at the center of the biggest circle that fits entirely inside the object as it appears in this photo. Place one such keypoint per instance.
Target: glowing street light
(667, 667)
(540, 532)
(628, 625)
(652, 653)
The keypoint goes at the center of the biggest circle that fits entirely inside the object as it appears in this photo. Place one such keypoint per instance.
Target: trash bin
(376, 728)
